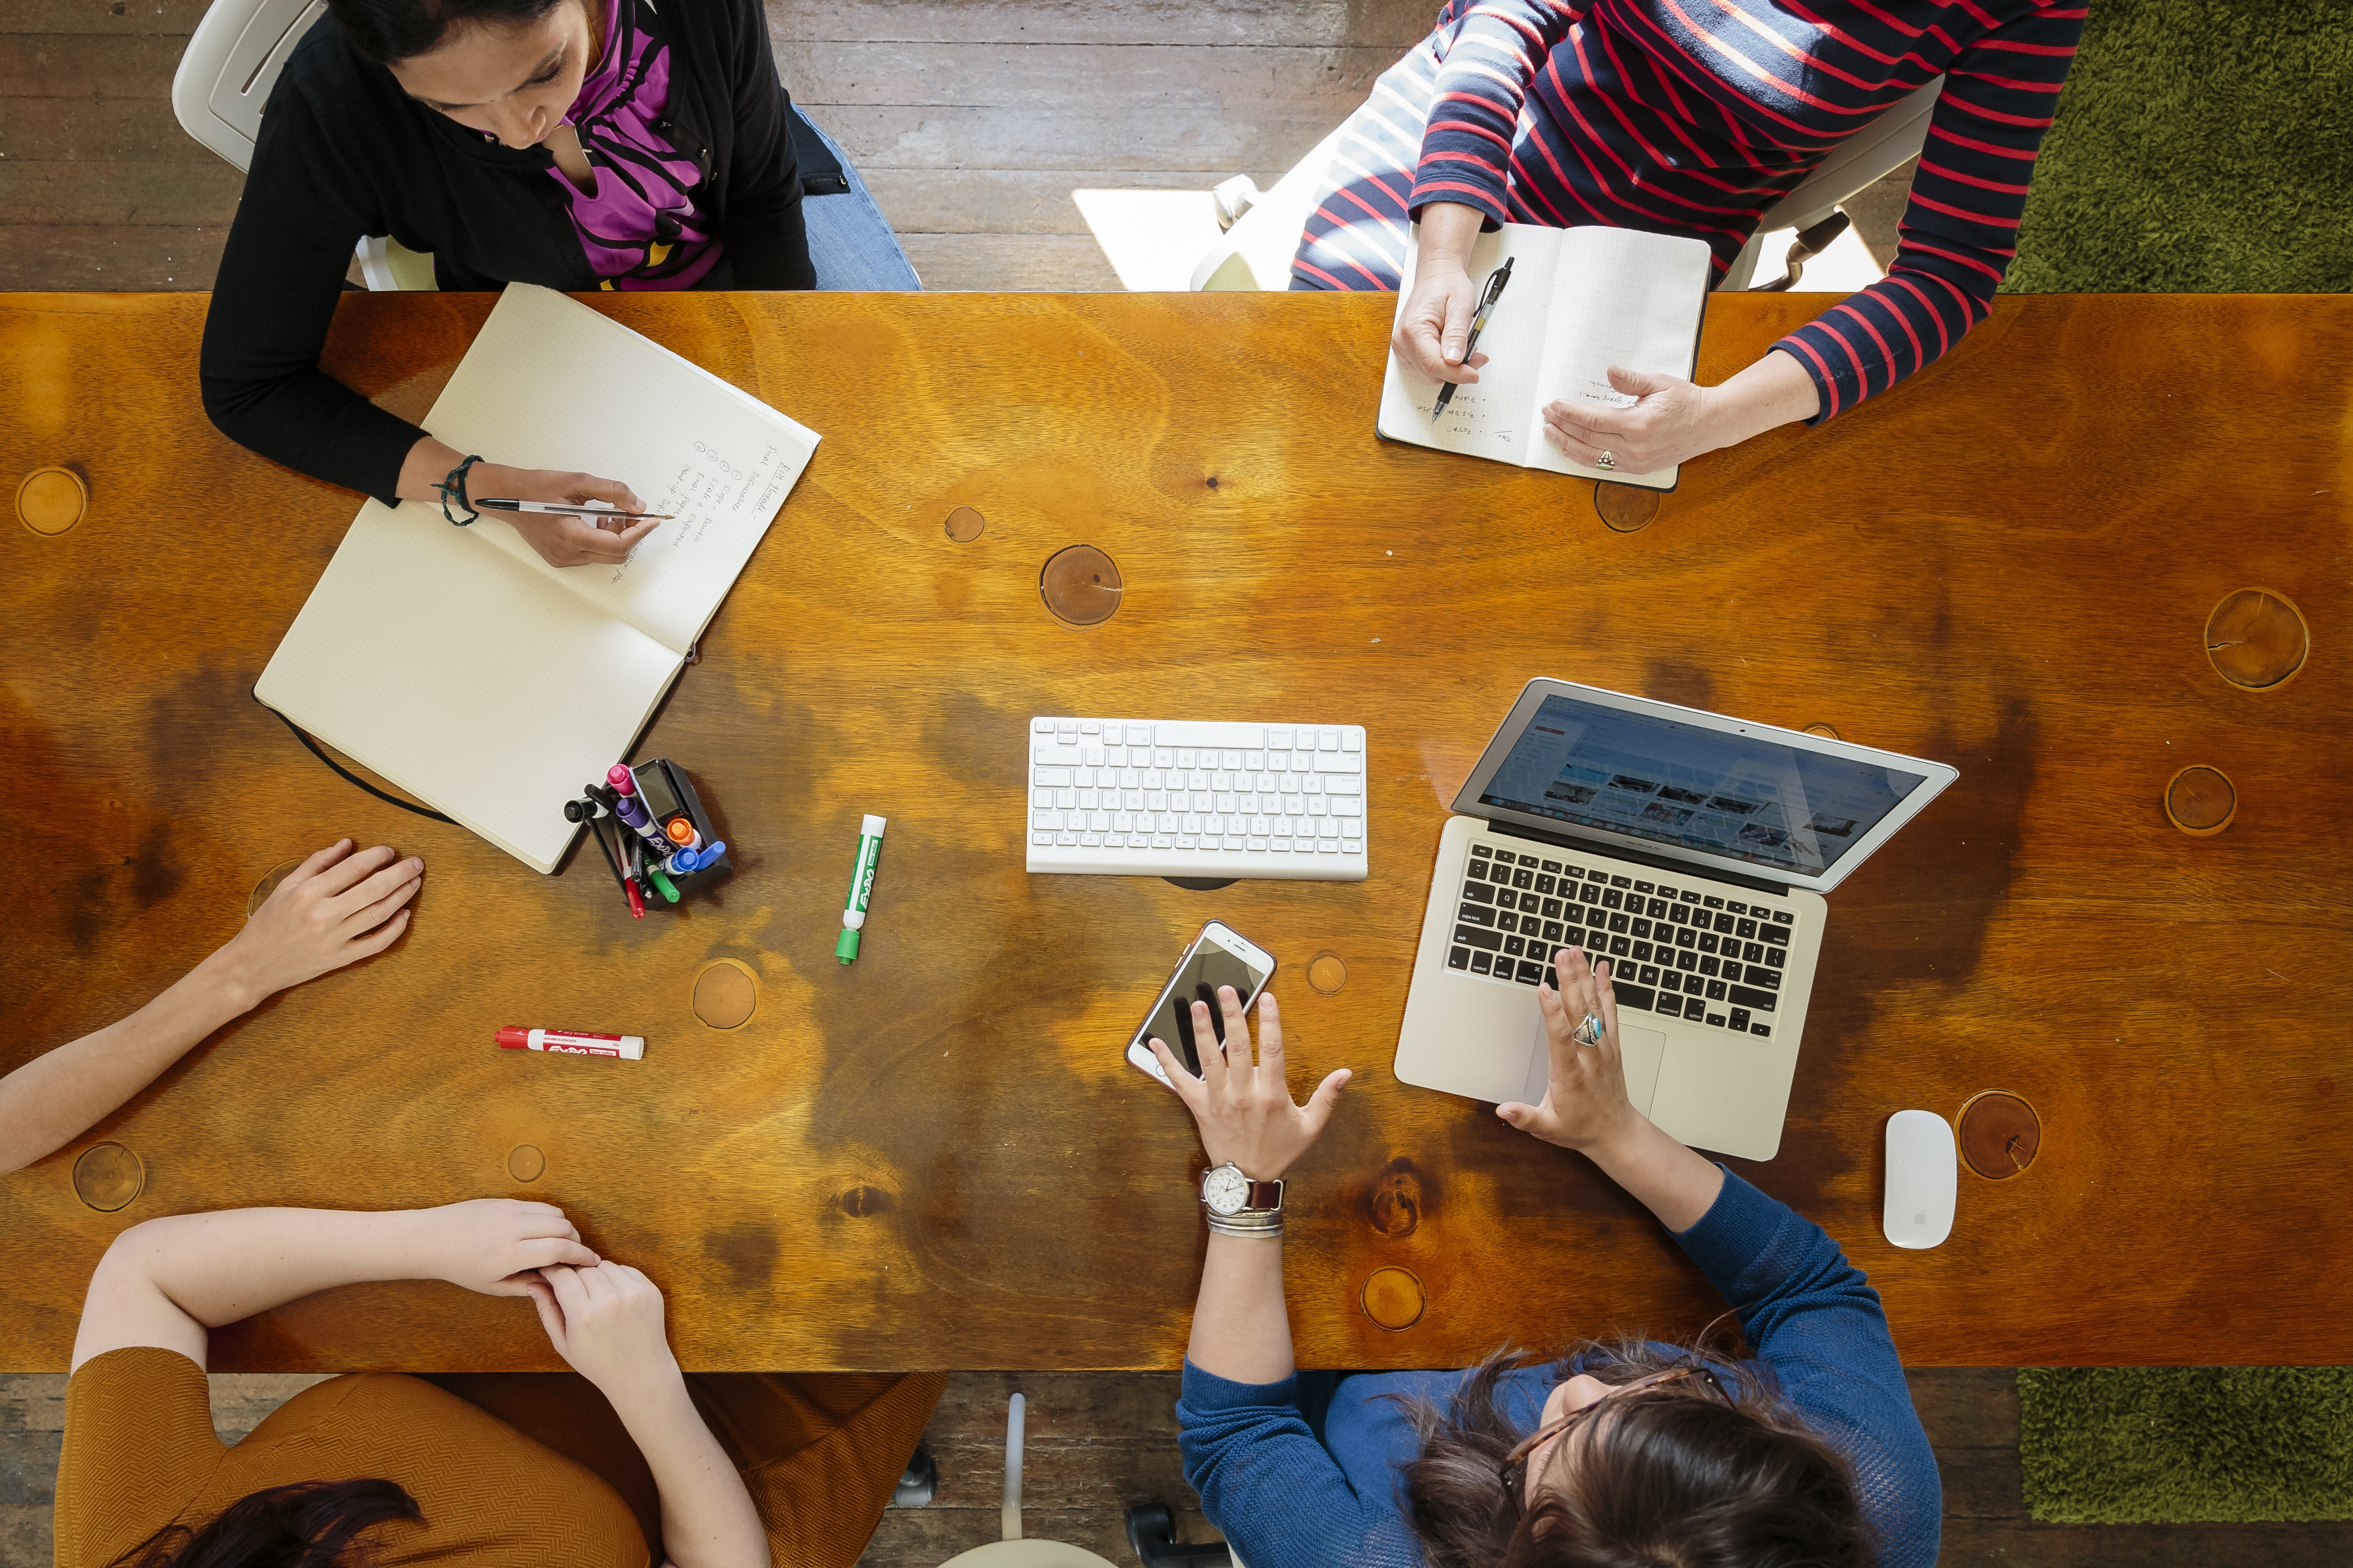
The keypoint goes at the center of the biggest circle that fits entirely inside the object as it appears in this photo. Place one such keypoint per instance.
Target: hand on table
(606, 1322)
(338, 906)
(1670, 421)
(1585, 1102)
(495, 1245)
(565, 541)
(1243, 1108)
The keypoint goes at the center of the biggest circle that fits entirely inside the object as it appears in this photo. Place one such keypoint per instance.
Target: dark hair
(389, 30)
(311, 1524)
(1675, 1478)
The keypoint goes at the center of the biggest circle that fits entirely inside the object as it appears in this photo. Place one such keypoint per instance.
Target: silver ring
(1588, 1033)
(1607, 459)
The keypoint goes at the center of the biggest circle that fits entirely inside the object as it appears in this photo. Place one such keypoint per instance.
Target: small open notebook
(457, 664)
(1579, 301)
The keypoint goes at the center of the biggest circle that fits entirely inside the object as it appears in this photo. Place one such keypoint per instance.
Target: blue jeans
(850, 241)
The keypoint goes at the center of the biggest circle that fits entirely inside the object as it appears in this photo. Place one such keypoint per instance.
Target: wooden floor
(972, 120)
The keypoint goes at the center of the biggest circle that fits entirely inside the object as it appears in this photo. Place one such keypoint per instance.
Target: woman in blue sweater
(1809, 1457)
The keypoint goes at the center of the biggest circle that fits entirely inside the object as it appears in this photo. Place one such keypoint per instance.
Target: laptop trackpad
(1643, 1050)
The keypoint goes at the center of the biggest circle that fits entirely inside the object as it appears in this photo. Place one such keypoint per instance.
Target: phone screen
(1208, 967)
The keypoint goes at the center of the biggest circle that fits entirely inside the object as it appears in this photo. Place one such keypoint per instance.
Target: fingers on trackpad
(1644, 1050)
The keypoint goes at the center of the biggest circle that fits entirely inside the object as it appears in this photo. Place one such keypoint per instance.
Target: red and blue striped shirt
(1693, 116)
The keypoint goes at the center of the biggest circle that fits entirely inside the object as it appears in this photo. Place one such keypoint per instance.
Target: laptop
(1691, 850)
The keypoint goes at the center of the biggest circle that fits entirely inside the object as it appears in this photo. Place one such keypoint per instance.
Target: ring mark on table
(2201, 801)
(526, 1164)
(1393, 1299)
(965, 524)
(1999, 1133)
(267, 885)
(2257, 639)
(1326, 972)
(108, 1176)
(1824, 730)
(726, 994)
(51, 500)
(1625, 509)
(1080, 585)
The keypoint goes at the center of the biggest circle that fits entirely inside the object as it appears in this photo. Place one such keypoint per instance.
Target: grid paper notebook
(1579, 301)
(459, 665)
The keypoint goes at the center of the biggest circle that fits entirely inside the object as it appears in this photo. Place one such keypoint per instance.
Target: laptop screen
(1740, 797)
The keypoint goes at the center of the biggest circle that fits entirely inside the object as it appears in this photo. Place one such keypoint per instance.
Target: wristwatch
(1236, 1205)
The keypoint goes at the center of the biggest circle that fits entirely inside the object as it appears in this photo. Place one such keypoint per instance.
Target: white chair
(1013, 1552)
(1257, 248)
(223, 84)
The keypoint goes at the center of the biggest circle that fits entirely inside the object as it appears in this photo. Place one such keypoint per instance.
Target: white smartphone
(1219, 955)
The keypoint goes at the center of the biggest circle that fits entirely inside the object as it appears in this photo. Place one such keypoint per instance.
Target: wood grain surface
(936, 1158)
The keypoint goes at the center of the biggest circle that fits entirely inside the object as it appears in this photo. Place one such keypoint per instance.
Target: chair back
(231, 64)
(1878, 150)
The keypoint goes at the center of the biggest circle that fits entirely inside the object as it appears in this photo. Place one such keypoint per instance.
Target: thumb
(1323, 1101)
(1639, 383)
(1513, 1112)
(551, 1316)
(1456, 340)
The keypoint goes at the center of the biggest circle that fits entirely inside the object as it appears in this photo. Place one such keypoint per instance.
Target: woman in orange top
(623, 1462)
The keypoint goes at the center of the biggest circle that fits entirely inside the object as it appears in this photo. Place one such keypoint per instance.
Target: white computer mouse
(1924, 1168)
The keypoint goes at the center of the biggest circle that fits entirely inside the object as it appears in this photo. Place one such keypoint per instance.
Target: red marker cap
(514, 1039)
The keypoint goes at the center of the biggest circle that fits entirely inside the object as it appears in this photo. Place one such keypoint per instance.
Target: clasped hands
(604, 1318)
(1246, 1115)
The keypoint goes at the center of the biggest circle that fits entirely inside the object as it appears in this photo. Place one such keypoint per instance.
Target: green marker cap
(846, 948)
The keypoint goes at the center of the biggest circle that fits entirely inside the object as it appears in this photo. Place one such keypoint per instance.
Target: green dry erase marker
(862, 888)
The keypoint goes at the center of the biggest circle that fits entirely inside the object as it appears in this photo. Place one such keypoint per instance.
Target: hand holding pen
(1487, 298)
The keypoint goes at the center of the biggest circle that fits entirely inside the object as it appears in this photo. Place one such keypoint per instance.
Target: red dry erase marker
(570, 1042)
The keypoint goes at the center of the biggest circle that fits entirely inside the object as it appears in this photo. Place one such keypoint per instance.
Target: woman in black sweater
(580, 144)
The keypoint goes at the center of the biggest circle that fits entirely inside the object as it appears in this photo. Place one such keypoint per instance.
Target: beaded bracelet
(456, 485)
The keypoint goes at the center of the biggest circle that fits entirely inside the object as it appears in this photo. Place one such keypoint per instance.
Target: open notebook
(1579, 301)
(459, 665)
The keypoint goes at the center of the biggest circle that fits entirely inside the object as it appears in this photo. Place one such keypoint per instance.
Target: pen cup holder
(708, 876)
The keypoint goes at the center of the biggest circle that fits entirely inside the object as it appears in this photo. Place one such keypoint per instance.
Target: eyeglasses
(1513, 1472)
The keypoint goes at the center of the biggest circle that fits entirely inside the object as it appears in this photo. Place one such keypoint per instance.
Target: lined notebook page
(1620, 298)
(550, 384)
(490, 692)
(1490, 419)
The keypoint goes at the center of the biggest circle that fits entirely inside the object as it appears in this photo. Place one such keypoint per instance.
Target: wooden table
(936, 1158)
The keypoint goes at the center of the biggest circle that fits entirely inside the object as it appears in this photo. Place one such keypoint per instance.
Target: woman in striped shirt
(1693, 117)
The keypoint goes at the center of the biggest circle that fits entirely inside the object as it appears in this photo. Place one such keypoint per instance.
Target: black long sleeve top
(344, 153)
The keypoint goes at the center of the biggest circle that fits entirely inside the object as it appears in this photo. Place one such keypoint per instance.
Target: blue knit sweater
(1302, 1473)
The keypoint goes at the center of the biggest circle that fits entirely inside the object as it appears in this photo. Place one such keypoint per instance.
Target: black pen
(1487, 298)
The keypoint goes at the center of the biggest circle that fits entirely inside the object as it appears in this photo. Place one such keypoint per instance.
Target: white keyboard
(1178, 798)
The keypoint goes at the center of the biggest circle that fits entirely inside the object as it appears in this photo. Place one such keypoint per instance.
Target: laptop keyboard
(1678, 947)
(1182, 797)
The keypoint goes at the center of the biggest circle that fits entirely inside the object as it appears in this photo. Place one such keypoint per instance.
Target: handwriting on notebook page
(705, 490)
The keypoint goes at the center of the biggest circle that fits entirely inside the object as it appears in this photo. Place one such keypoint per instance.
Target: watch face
(1226, 1190)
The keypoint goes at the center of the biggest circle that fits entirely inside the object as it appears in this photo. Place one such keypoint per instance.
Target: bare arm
(1241, 1329)
(1584, 1105)
(606, 1324)
(336, 907)
(560, 541)
(169, 1281)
